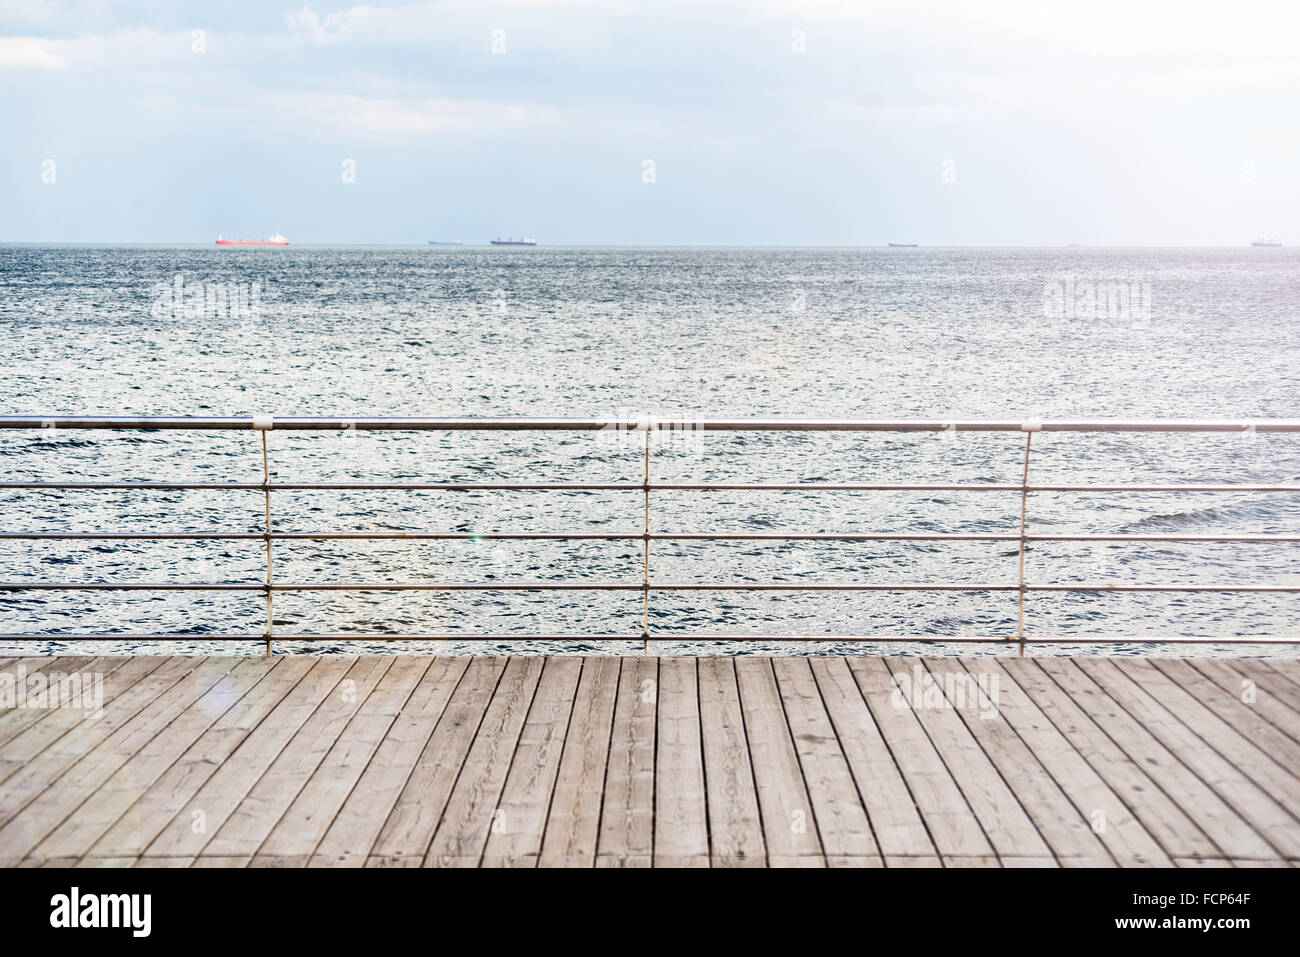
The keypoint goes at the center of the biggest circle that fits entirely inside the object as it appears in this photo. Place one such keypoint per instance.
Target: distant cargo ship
(526, 241)
(273, 240)
(902, 245)
(1266, 242)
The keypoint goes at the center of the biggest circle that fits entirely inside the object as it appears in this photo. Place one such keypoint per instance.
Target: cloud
(125, 50)
(347, 112)
(307, 27)
(29, 53)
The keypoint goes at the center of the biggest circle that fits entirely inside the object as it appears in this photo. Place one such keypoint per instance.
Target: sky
(664, 122)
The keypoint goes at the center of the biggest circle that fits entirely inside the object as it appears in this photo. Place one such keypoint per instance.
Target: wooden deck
(527, 761)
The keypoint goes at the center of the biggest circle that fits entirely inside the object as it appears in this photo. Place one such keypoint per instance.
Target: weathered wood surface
(409, 761)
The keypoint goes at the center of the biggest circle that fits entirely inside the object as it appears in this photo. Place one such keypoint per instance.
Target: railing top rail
(638, 423)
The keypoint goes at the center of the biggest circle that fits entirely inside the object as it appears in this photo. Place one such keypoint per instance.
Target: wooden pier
(641, 761)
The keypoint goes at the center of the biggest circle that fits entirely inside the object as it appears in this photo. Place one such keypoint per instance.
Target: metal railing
(648, 426)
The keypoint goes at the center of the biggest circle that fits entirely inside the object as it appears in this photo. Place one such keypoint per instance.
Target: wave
(1253, 511)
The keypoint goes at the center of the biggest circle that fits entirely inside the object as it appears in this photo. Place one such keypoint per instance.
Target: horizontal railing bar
(328, 486)
(1162, 538)
(1159, 588)
(620, 487)
(506, 536)
(321, 536)
(622, 586)
(674, 637)
(641, 423)
(340, 636)
(631, 535)
(479, 586)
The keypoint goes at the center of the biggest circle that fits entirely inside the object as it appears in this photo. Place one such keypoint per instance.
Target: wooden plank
(15, 720)
(1123, 835)
(800, 860)
(1167, 720)
(306, 820)
(409, 828)
(357, 825)
(627, 819)
(114, 796)
(33, 737)
(1288, 669)
(974, 690)
(735, 830)
(1238, 862)
(573, 823)
(841, 818)
(160, 862)
(104, 862)
(35, 663)
(247, 827)
(1044, 861)
(164, 862)
(1006, 825)
(526, 798)
(913, 861)
(1226, 829)
(790, 823)
(1157, 813)
(20, 737)
(186, 833)
(1262, 688)
(102, 754)
(896, 823)
(473, 809)
(1247, 719)
(32, 780)
(681, 835)
(161, 801)
(998, 809)
(294, 862)
(949, 819)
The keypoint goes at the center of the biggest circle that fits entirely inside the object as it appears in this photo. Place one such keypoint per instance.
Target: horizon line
(488, 245)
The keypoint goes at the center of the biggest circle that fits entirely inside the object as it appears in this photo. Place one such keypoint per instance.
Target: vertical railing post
(645, 542)
(264, 423)
(1029, 428)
